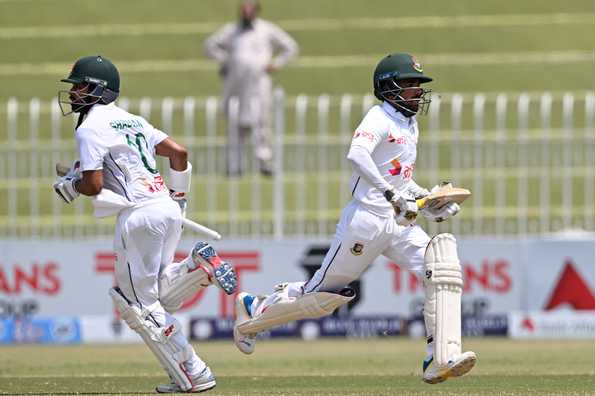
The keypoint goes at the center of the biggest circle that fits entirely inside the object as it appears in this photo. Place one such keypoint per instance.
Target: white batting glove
(439, 214)
(404, 205)
(64, 186)
(180, 198)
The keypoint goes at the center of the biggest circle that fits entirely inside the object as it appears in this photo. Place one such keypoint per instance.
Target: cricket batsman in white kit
(117, 168)
(380, 220)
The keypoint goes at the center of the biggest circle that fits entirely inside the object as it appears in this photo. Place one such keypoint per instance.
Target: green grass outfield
(388, 366)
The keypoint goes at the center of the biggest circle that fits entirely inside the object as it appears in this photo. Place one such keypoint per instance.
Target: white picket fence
(527, 157)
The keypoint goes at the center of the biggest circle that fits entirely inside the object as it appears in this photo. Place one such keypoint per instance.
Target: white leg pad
(443, 287)
(158, 339)
(181, 281)
(287, 309)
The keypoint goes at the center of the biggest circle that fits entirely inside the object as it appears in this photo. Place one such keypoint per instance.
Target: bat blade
(444, 196)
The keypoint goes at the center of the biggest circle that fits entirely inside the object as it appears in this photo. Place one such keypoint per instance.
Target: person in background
(248, 52)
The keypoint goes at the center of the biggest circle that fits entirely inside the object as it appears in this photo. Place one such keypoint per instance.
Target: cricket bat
(444, 196)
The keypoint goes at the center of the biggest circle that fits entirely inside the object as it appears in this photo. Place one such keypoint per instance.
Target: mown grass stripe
(308, 62)
(297, 25)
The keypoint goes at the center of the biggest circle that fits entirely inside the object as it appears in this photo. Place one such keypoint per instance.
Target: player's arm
(360, 157)
(86, 175)
(287, 48)
(177, 154)
(215, 46)
(416, 190)
(180, 170)
(90, 183)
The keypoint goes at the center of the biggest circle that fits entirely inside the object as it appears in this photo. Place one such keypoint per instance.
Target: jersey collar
(97, 106)
(391, 111)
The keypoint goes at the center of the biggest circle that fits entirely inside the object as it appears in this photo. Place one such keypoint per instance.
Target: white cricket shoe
(245, 343)
(201, 383)
(456, 367)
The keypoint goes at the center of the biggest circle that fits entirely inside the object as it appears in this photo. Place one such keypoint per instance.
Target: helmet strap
(81, 119)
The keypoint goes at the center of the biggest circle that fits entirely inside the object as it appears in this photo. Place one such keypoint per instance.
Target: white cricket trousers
(145, 242)
(360, 238)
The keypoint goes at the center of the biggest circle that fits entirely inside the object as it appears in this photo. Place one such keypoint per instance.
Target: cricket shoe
(201, 383)
(224, 274)
(456, 367)
(244, 342)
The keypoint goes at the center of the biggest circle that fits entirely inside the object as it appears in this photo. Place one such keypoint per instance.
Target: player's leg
(178, 282)
(443, 284)
(359, 240)
(436, 263)
(139, 248)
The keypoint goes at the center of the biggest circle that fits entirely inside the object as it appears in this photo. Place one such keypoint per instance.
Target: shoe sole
(245, 348)
(200, 388)
(239, 306)
(204, 387)
(462, 368)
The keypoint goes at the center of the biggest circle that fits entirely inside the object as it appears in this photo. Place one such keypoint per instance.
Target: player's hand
(270, 68)
(180, 199)
(404, 205)
(418, 192)
(439, 214)
(65, 186)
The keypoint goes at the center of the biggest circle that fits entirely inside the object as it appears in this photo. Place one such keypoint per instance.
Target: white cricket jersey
(391, 140)
(123, 145)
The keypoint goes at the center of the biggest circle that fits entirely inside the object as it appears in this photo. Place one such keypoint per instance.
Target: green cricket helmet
(102, 79)
(389, 75)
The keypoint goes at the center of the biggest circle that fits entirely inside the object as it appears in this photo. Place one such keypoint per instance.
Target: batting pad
(179, 282)
(159, 339)
(444, 286)
(308, 306)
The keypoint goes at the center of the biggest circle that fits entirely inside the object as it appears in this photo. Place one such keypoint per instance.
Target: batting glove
(404, 205)
(439, 214)
(180, 199)
(65, 185)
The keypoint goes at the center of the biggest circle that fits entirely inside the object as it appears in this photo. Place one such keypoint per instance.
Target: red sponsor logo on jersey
(158, 184)
(408, 172)
(397, 167)
(366, 135)
(398, 139)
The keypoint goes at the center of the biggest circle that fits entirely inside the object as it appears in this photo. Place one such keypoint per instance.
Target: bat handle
(421, 202)
(200, 229)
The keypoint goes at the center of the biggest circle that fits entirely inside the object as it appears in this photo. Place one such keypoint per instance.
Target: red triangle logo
(571, 289)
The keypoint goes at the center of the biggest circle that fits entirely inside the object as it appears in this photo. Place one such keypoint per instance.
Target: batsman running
(380, 220)
(117, 167)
